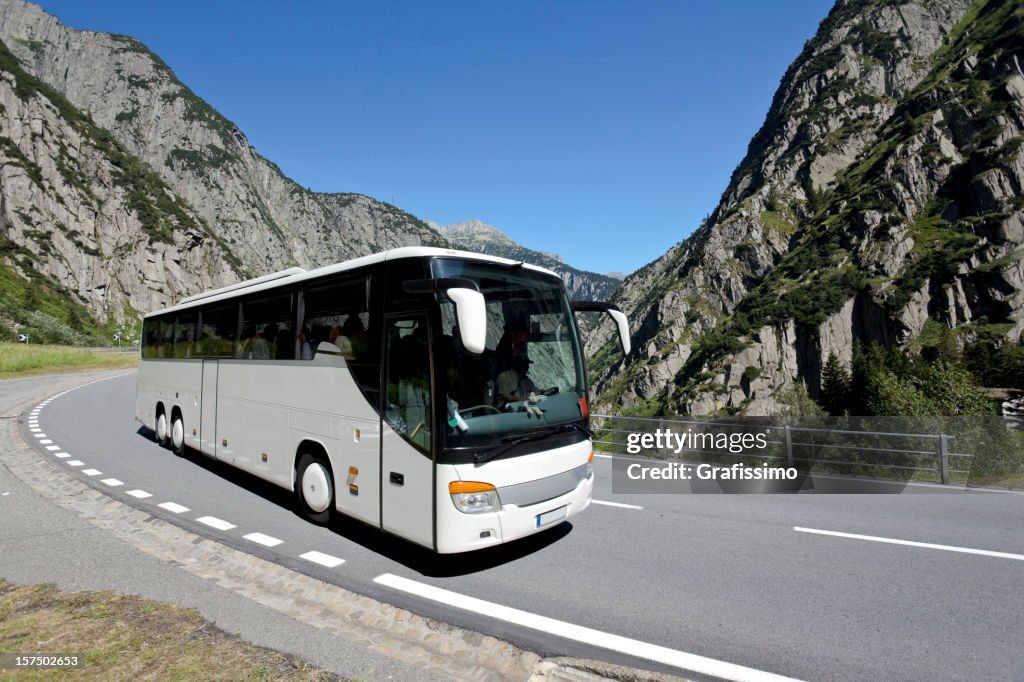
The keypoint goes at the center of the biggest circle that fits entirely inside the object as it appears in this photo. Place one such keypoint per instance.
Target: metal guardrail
(794, 445)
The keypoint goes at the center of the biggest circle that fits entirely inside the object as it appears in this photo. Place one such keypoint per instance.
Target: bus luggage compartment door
(208, 419)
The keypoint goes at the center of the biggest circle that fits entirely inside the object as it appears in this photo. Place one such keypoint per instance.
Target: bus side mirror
(471, 312)
(621, 323)
(470, 308)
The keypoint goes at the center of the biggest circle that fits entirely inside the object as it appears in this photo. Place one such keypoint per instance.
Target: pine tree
(835, 386)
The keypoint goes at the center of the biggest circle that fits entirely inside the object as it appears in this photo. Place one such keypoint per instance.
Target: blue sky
(601, 130)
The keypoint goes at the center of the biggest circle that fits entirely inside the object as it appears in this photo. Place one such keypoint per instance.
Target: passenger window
(185, 336)
(337, 313)
(158, 335)
(266, 324)
(219, 331)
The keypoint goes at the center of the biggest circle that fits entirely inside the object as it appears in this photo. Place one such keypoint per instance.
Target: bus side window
(184, 335)
(263, 320)
(219, 331)
(335, 312)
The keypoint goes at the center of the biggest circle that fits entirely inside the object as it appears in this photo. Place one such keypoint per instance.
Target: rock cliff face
(476, 236)
(237, 215)
(883, 189)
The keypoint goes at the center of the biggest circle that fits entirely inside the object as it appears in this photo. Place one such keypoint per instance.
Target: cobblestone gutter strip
(437, 647)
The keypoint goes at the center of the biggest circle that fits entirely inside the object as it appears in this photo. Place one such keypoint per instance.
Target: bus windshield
(530, 375)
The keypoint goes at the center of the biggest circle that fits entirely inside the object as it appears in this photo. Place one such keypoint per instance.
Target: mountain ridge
(261, 220)
(891, 138)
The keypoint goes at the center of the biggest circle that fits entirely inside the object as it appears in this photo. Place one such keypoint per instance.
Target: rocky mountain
(476, 236)
(883, 190)
(122, 191)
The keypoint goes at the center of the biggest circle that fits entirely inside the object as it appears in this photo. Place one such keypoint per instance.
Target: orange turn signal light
(590, 459)
(584, 408)
(459, 487)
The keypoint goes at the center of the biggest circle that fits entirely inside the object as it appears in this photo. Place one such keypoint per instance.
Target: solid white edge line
(214, 522)
(141, 494)
(616, 504)
(261, 539)
(322, 559)
(173, 507)
(604, 640)
(912, 543)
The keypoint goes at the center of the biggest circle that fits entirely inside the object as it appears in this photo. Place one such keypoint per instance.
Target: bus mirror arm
(617, 315)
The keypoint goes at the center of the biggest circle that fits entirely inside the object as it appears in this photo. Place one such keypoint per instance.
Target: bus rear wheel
(160, 432)
(177, 434)
(314, 488)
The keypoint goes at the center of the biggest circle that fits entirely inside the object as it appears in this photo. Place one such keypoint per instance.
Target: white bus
(435, 394)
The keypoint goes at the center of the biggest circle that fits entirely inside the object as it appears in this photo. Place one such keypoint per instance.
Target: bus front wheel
(314, 488)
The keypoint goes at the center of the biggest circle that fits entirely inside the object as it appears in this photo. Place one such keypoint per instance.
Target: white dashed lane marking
(911, 543)
(261, 539)
(173, 507)
(53, 448)
(322, 559)
(62, 455)
(75, 463)
(112, 482)
(141, 494)
(91, 472)
(622, 505)
(214, 522)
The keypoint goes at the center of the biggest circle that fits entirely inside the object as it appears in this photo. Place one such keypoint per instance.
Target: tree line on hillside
(933, 376)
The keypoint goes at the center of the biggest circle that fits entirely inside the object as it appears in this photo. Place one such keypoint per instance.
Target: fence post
(789, 445)
(944, 458)
(661, 427)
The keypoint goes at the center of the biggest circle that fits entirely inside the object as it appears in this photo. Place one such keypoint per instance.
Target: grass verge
(22, 359)
(131, 638)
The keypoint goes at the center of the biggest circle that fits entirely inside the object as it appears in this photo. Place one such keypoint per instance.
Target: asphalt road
(726, 578)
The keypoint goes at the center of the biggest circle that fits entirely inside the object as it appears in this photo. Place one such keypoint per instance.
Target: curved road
(675, 583)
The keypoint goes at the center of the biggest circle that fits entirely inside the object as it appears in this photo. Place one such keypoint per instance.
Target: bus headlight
(471, 497)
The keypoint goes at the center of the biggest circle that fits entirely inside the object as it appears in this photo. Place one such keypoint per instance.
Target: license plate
(551, 516)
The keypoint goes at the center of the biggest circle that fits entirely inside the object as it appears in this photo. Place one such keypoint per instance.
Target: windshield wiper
(510, 442)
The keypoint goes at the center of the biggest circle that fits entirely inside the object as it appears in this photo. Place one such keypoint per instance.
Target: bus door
(407, 465)
(208, 409)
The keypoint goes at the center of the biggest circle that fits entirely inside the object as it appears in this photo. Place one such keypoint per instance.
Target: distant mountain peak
(476, 235)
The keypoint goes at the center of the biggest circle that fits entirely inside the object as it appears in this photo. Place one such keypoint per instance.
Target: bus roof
(297, 274)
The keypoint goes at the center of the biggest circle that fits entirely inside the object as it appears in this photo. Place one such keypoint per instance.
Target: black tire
(176, 437)
(314, 488)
